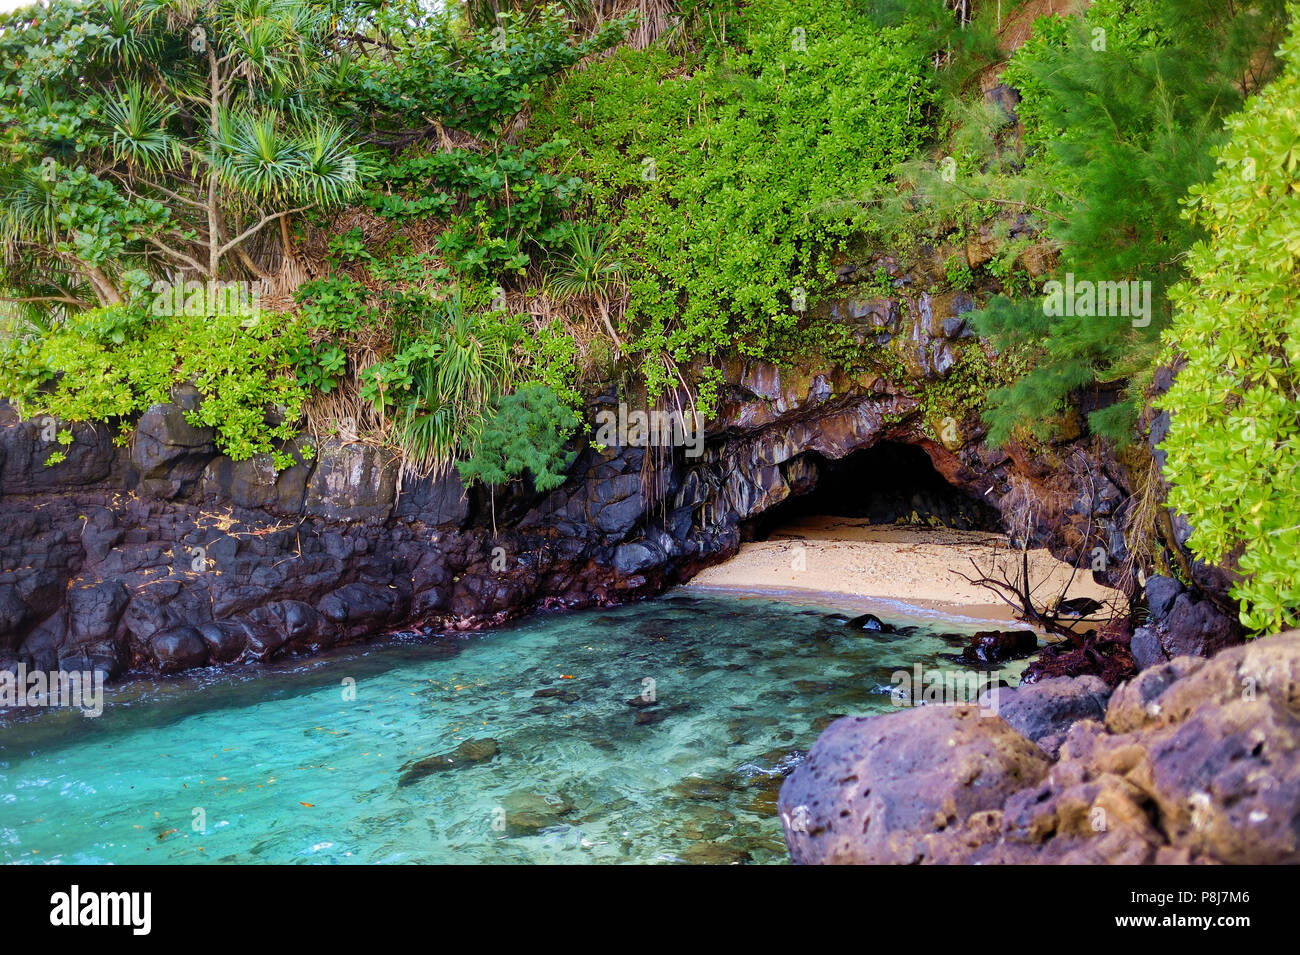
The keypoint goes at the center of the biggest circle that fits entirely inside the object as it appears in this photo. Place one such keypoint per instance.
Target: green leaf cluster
(114, 362)
(527, 433)
(1234, 439)
(724, 174)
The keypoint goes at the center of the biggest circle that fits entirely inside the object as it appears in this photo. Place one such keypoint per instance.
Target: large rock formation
(165, 555)
(1180, 623)
(1196, 761)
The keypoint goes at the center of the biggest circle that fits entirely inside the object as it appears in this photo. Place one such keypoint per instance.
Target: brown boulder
(874, 788)
(469, 753)
(1197, 761)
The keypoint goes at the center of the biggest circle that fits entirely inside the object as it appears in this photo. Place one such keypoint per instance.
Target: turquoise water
(276, 764)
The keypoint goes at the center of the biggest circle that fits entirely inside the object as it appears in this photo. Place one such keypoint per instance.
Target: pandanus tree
(590, 272)
(149, 138)
(442, 381)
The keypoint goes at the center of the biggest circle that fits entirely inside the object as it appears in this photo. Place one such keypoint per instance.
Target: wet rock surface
(870, 623)
(1193, 761)
(997, 646)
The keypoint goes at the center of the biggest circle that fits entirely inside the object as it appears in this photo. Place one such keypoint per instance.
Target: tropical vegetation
(442, 228)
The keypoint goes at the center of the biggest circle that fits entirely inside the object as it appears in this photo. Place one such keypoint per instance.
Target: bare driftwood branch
(1020, 592)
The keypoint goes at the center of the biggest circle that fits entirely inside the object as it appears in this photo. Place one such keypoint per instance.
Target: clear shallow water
(274, 765)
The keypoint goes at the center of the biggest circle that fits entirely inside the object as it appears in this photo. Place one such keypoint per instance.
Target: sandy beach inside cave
(851, 557)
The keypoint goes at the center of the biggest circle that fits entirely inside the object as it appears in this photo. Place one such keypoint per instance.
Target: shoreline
(851, 559)
(881, 606)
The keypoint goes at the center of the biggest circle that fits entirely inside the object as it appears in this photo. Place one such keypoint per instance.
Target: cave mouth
(888, 483)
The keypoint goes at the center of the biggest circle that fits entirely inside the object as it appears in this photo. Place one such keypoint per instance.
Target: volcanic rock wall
(164, 554)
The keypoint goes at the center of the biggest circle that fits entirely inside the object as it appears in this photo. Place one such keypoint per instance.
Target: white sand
(916, 565)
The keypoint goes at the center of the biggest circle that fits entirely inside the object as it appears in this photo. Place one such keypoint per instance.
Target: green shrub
(553, 356)
(526, 433)
(497, 201)
(1126, 24)
(957, 273)
(1234, 442)
(442, 379)
(114, 362)
(725, 176)
(1129, 117)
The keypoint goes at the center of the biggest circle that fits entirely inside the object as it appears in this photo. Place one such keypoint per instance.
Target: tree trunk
(104, 287)
(286, 240)
(609, 324)
(214, 129)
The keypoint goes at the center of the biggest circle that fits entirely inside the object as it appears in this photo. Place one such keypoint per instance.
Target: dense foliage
(438, 226)
(1234, 441)
(147, 138)
(1124, 107)
(720, 170)
(435, 75)
(146, 145)
(153, 142)
(722, 179)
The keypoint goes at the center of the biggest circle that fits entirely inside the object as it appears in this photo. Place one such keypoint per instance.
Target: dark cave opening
(888, 483)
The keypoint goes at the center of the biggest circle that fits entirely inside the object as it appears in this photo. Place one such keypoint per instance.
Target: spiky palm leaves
(589, 271)
(256, 156)
(331, 167)
(458, 369)
(123, 43)
(136, 122)
(28, 211)
(208, 106)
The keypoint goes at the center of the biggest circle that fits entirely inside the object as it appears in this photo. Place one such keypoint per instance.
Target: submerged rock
(822, 722)
(715, 853)
(527, 813)
(997, 646)
(469, 753)
(694, 787)
(870, 622)
(556, 692)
